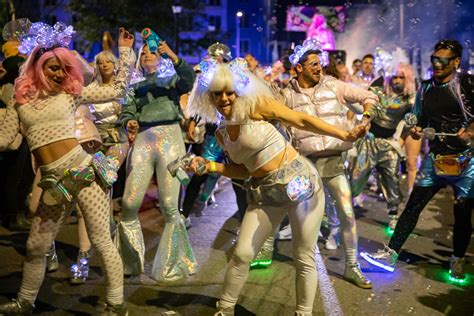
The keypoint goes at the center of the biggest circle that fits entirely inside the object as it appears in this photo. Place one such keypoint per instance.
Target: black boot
(17, 307)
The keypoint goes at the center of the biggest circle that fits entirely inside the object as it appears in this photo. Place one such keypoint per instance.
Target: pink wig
(407, 71)
(32, 81)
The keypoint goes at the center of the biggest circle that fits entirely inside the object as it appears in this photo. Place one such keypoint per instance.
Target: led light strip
(366, 256)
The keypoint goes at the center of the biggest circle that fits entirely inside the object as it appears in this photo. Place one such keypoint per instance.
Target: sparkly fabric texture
(154, 148)
(463, 185)
(262, 221)
(377, 153)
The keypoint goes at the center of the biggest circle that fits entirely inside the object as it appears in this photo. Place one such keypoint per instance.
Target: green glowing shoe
(456, 269)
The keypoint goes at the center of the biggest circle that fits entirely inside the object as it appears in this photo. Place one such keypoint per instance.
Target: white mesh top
(51, 119)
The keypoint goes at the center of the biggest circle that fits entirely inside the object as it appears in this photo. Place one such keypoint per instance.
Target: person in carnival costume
(380, 148)
(445, 116)
(152, 112)
(49, 89)
(326, 97)
(280, 180)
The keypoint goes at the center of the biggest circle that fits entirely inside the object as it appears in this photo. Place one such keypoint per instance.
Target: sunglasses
(443, 61)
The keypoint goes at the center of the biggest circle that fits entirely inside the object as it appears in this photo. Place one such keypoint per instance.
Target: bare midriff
(275, 163)
(49, 153)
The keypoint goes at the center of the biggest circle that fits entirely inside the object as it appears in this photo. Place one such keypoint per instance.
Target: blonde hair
(108, 56)
(200, 102)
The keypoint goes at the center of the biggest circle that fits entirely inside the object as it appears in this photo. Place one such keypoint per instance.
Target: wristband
(212, 166)
(367, 114)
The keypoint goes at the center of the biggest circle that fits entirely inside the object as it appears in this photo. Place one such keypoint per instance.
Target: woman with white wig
(279, 180)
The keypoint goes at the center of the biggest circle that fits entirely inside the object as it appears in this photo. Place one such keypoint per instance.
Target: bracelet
(367, 114)
(212, 166)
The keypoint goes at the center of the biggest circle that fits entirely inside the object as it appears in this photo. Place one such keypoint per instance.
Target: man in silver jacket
(326, 97)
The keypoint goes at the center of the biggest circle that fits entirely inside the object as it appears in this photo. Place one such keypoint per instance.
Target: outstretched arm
(121, 80)
(271, 109)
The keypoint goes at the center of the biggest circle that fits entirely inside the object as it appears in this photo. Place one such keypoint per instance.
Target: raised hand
(125, 38)
(416, 132)
(132, 129)
(163, 48)
(356, 133)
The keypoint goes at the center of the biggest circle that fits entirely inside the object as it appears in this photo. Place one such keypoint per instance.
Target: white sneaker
(358, 201)
(187, 221)
(285, 233)
(333, 240)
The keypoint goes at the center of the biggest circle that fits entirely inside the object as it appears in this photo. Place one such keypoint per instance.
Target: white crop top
(51, 119)
(258, 143)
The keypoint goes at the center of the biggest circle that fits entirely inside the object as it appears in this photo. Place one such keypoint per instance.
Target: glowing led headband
(310, 44)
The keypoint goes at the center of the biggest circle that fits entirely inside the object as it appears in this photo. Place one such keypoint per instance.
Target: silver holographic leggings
(152, 150)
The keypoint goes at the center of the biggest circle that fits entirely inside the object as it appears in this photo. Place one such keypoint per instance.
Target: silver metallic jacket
(328, 102)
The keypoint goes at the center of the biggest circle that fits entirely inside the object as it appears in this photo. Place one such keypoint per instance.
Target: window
(245, 21)
(215, 23)
(244, 47)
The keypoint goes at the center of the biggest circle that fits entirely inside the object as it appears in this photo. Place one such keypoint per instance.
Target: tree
(92, 18)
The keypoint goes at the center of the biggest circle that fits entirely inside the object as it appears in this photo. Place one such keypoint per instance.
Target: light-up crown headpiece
(311, 44)
(238, 67)
(46, 36)
(386, 62)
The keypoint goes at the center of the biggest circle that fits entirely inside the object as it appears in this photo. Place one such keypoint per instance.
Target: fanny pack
(58, 190)
(289, 185)
(450, 165)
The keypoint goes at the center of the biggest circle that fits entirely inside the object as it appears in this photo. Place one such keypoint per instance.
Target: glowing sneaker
(384, 258)
(456, 268)
(264, 256)
(80, 269)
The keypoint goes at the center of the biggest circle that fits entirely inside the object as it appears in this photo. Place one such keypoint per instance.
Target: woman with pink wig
(47, 93)
(381, 149)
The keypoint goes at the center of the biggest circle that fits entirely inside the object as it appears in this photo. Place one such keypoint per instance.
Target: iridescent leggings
(48, 220)
(260, 222)
(337, 185)
(153, 149)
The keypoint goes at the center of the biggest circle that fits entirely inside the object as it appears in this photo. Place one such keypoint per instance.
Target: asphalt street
(419, 285)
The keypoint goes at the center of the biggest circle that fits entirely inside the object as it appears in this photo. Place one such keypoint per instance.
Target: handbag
(450, 165)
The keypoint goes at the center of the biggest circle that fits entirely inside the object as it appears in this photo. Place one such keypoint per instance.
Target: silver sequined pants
(152, 150)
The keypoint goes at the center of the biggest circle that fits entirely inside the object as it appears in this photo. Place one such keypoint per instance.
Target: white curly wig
(200, 102)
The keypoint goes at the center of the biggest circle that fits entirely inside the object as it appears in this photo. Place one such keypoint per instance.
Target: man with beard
(326, 97)
(443, 103)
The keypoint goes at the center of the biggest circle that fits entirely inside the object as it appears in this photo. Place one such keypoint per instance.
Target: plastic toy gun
(152, 40)
(177, 168)
(429, 132)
